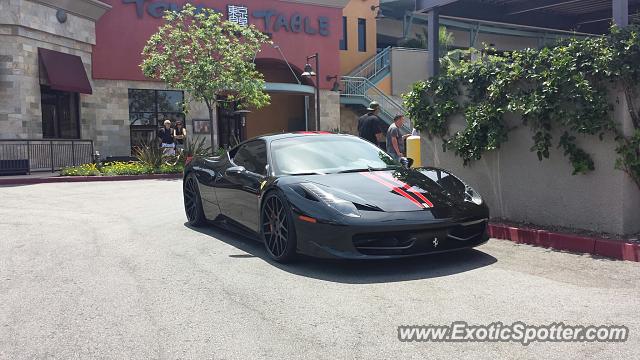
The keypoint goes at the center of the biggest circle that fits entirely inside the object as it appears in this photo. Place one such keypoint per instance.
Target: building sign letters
(272, 20)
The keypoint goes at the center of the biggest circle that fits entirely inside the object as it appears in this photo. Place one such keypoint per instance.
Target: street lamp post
(308, 72)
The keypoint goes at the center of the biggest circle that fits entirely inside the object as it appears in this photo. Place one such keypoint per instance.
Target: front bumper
(389, 235)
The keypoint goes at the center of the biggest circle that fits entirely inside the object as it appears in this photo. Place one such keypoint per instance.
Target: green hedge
(120, 168)
(564, 87)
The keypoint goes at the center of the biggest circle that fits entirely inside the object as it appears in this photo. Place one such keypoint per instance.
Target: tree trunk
(630, 95)
(214, 142)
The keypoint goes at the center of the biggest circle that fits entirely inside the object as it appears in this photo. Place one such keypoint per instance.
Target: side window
(253, 156)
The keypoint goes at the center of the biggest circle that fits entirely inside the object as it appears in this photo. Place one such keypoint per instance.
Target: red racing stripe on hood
(407, 187)
(393, 188)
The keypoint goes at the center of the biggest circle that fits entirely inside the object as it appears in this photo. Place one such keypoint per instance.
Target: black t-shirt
(166, 135)
(179, 131)
(368, 126)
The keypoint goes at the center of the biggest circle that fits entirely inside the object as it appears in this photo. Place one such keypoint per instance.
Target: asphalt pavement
(110, 270)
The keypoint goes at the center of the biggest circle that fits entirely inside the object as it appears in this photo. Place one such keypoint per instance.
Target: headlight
(340, 205)
(472, 196)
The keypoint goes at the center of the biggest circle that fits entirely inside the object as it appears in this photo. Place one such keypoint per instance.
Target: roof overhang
(64, 72)
(288, 88)
(565, 15)
(89, 9)
(328, 3)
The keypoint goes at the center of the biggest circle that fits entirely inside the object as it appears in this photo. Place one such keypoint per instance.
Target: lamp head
(308, 71)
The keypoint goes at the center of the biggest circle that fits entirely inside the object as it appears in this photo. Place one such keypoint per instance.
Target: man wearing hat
(166, 137)
(370, 125)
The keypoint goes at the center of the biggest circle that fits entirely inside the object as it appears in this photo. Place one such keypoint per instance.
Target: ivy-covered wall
(549, 136)
(519, 187)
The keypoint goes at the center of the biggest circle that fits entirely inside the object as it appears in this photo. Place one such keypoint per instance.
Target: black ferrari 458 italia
(332, 195)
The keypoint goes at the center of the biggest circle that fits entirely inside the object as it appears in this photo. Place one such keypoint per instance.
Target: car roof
(278, 136)
(268, 138)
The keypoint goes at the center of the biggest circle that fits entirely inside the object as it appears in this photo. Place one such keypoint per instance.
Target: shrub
(196, 147)
(169, 169)
(121, 168)
(150, 154)
(125, 168)
(81, 170)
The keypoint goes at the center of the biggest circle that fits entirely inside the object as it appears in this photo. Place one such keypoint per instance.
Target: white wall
(407, 67)
(519, 187)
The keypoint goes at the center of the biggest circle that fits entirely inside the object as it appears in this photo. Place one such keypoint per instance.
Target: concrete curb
(616, 249)
(62, 179)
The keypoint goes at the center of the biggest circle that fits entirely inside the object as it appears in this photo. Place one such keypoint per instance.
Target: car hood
(397, 190)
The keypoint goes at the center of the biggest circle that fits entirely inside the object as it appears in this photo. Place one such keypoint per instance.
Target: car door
(238, 187)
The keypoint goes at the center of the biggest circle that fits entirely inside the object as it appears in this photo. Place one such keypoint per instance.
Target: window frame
(344, 41)
(362, 35)
(236, 150)
(156, 113)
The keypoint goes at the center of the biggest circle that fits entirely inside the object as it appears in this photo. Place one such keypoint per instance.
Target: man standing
(166, 138)
(369, 124)
(395, 140)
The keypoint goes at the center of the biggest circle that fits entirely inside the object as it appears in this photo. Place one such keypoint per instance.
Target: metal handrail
(31, 155)
(374, 65)
(360, 87)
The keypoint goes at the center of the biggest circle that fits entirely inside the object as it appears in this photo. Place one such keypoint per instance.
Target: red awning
(64, 72)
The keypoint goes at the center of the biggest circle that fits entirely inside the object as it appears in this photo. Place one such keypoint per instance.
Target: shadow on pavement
(358, 271)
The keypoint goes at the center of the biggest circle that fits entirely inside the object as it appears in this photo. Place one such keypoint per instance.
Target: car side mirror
(235, 170)
(406, 162)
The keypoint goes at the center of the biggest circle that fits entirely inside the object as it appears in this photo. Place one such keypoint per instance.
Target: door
(238, 187)
(60, 114)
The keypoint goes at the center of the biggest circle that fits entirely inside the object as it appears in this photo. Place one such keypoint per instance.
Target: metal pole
(29, 156)
(433, 57)
(317, 92)
(306, 113)
(621, 12)
(51, 152)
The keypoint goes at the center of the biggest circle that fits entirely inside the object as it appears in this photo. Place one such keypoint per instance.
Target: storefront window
(147, 111)
(152, 107)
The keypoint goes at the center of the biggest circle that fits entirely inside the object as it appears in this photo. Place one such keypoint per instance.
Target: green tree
(196, 50)
(420, 41)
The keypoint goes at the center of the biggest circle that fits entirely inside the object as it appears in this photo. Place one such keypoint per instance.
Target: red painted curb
(61, 179)
(620, 250)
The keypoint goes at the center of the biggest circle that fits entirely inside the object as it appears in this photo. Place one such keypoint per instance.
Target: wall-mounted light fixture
(336, 85)
(379, 14)
(61, 15)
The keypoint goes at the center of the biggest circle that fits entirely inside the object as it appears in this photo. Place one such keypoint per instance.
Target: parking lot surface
(110, 270)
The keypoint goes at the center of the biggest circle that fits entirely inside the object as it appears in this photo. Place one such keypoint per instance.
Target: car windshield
(325, 154)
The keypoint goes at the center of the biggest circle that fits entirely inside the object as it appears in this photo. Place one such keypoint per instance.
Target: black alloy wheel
(277, 228)
(193, 202)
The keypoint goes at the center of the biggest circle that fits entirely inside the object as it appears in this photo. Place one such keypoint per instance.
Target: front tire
(277, 228)
(193, 202)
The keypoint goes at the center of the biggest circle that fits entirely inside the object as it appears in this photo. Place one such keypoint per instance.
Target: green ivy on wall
(564, 87)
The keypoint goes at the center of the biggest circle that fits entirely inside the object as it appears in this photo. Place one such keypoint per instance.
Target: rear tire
(277, 228)
(193, 202)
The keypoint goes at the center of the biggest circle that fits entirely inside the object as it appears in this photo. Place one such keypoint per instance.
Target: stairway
(358, 88)
(375, 68)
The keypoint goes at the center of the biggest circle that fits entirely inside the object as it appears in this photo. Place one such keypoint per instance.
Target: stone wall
(107, 115)
(329, 110)
(40, 17)
(24, 27)
(349, 120)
